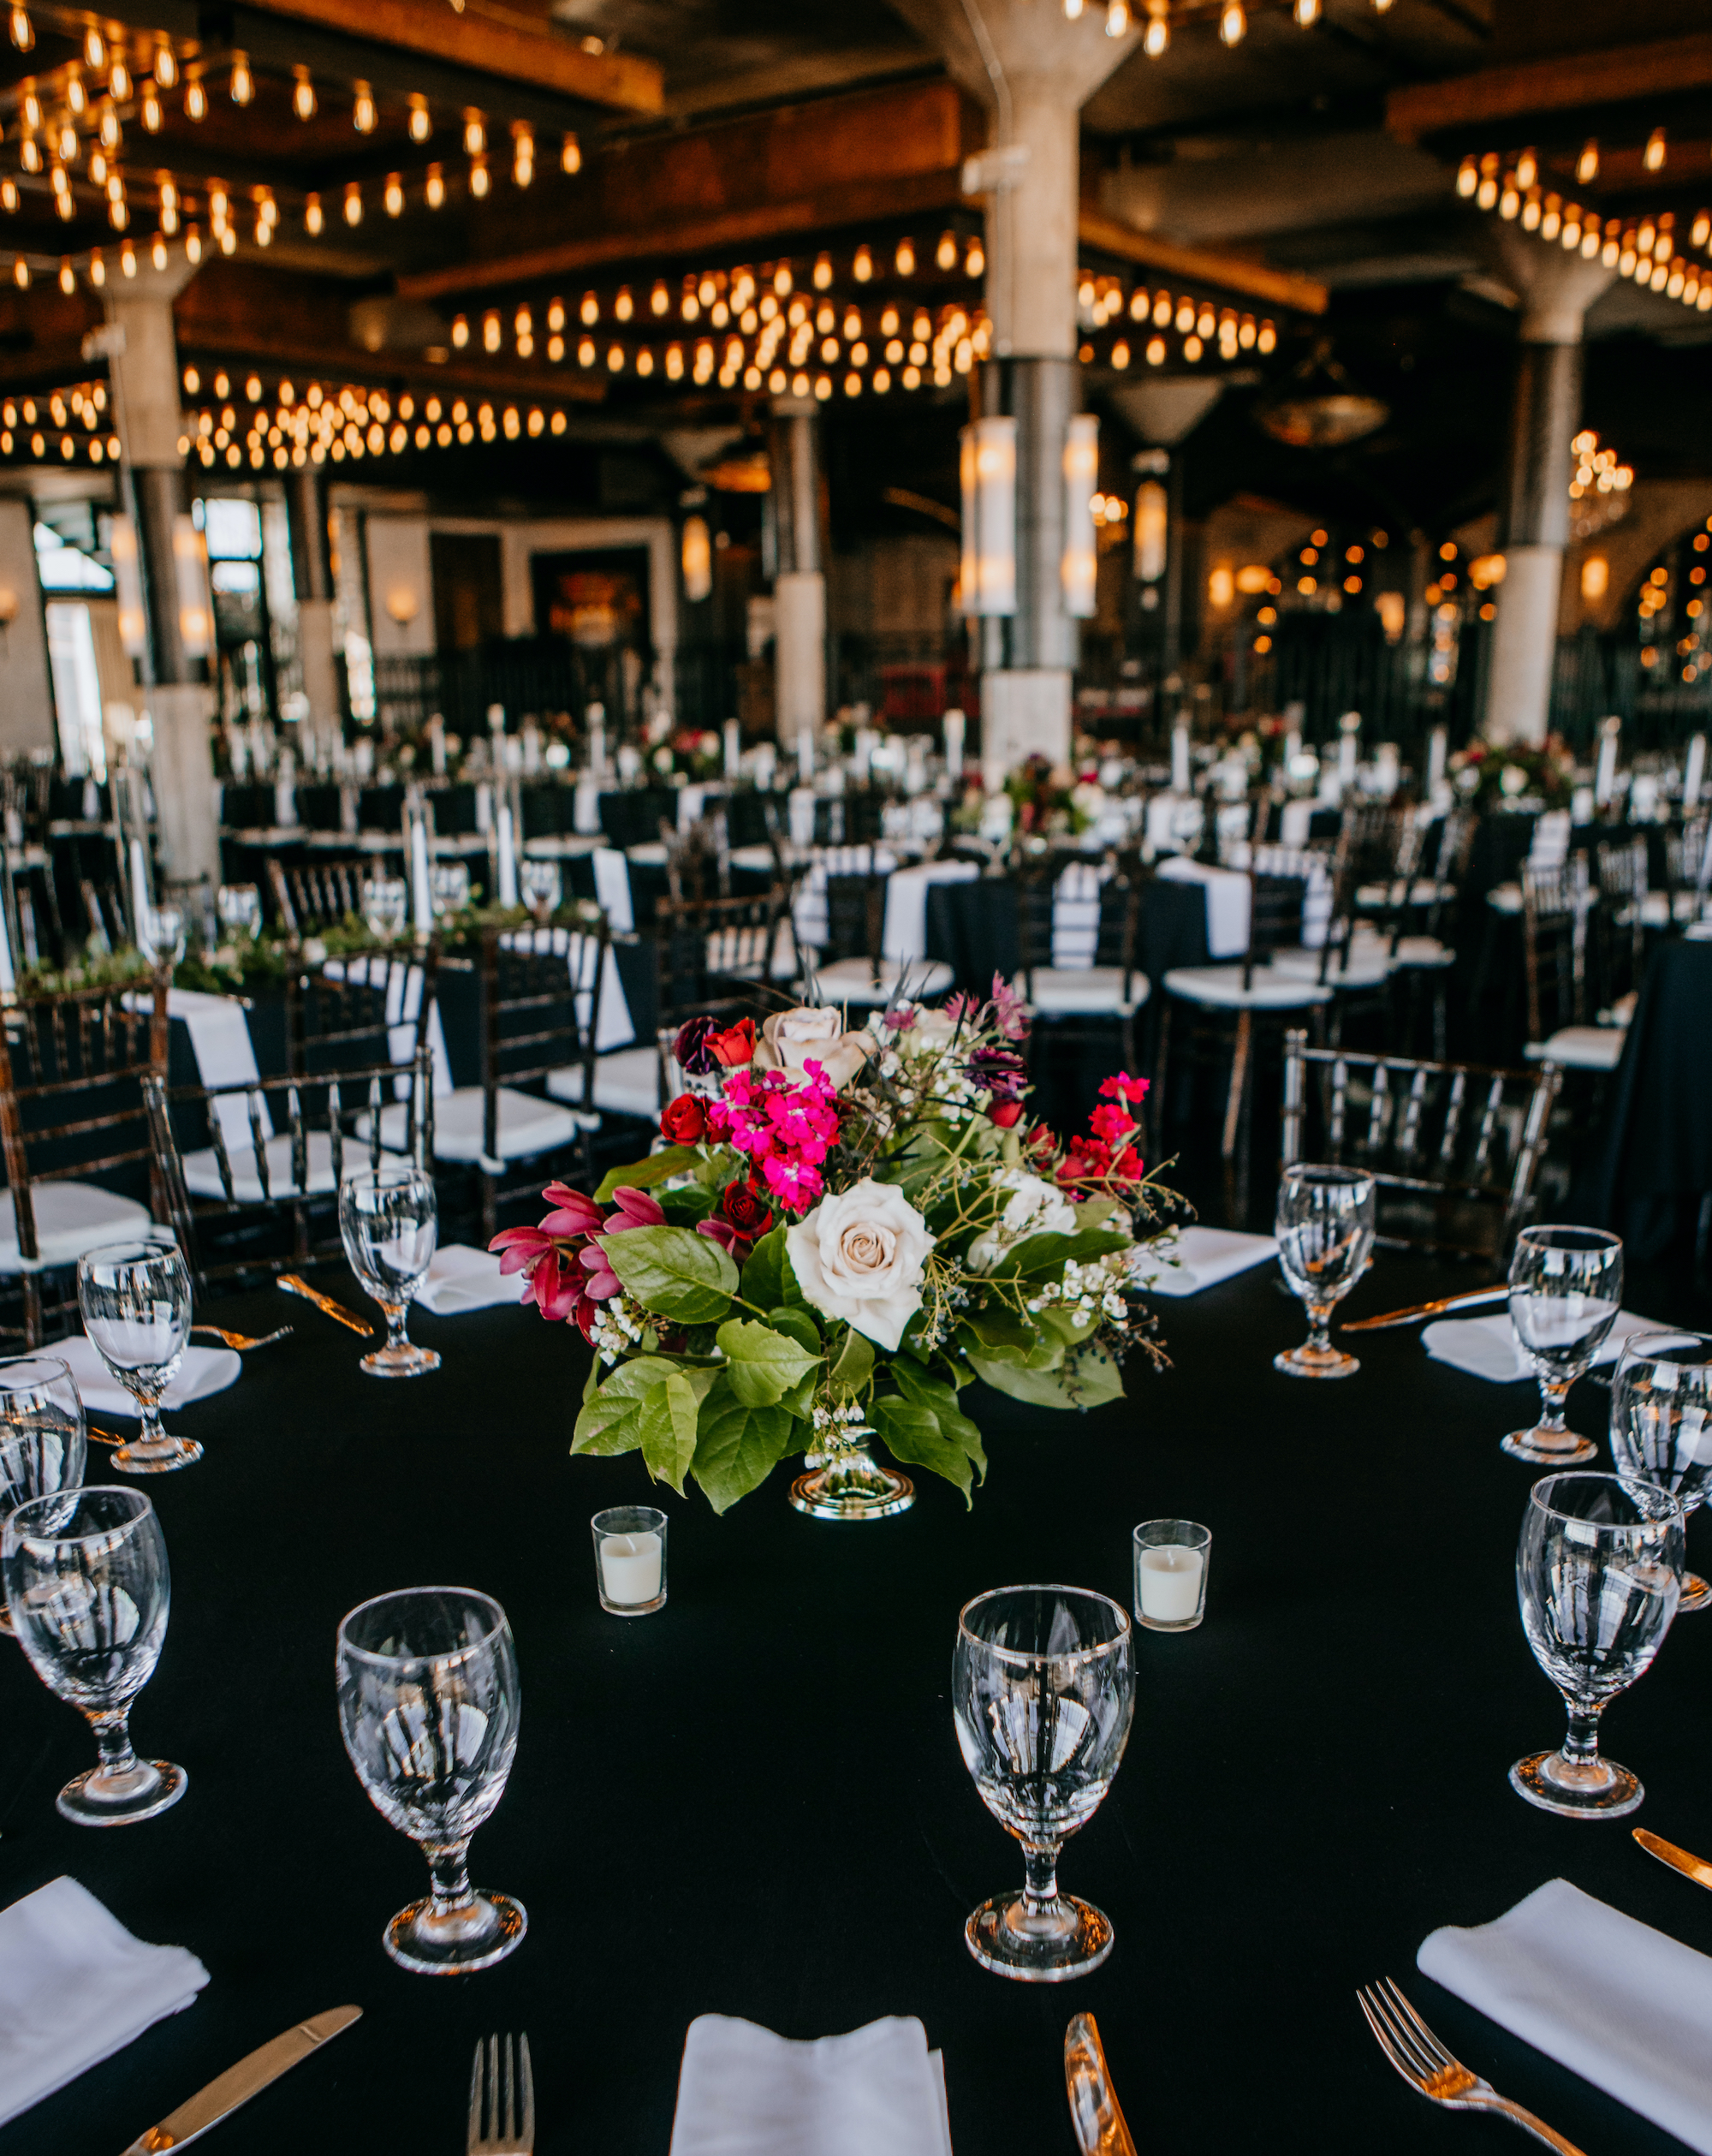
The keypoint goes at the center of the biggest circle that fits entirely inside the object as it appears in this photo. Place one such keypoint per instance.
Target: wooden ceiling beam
(1566, 84)
(1203, 265)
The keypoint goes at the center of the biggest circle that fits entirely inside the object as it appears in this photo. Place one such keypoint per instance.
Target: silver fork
(1426, 2065)
(242, 1340)
(508, 2083)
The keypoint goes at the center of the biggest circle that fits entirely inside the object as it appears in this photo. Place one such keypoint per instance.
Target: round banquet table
(753, 1803)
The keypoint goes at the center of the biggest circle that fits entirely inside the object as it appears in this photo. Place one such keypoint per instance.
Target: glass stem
(113, 1743)
(151, 1432)
(397, 1317)
(1581, 1746)
(1040, 1879)
(1319, 1328)
(1553, 1393)
(449, 1873)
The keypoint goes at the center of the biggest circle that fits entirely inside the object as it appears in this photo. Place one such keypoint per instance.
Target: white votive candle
(630, 1567)
(1170, 1581)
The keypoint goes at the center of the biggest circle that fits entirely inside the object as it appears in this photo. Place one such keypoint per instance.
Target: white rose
(792, 1039)
(932, 1033)
(1033, 1208)
(858, 1257)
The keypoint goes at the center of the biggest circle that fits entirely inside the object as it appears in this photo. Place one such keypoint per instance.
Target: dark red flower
(735, 1045)
(684, 1121)
(747, 1209)
(1000, 1071)
(690, 1048)
(1005, 1113)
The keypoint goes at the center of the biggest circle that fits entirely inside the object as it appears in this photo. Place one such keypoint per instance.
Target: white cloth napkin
(744, 2092)
(220, 1041)
(75, 1988)
(906, 929)
(1203, 1257)
(461, 1278)
(203, 1371)
(1488, 1346)
(612, 889)
(1616, 2002)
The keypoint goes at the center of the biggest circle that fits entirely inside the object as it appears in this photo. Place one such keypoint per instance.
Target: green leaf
(667, 1418)
(1041, 1257)
(1087, 1377)
(643, 1175)
(738, 1447)
(995, 1326)
(801, 1327)
(767, 1276)
(673, 1270)
(765, 1364)
(913, 1434)
(683, 1208)
(855, 1363)
(611, 1421)
(941, 1402)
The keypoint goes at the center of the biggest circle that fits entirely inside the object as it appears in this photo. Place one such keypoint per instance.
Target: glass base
(1548, 1448)
(134, 1456)
(457, 1945)
(853, 1486)
(1066, 1940)
(1695, 1594)
(96, 1799)
(1598, 1790)
(1309, 1362)
(406, 1361)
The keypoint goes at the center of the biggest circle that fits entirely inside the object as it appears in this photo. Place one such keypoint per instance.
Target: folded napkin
(75, 1988)
(203, 1371)
(1488, 1346)
(744, 2092)
(1203, 1257)
(461, 1278)
(1616, 2002)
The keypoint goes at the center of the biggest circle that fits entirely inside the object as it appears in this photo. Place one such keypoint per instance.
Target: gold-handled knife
(294, 1286)
(1692, 1868)
(239, 2082)
(1094, 2111)
(1471, 1300)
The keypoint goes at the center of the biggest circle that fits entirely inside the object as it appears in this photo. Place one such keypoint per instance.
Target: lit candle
(1438, 747)
(1169, 1576)
(597, 734)
(733, 748)
(805, 754)
(955, 725)
(630, 1567)
(508, 857)
(437, 744)
(1605, 773)
(1694, 777)
(1349, 744)
(1179, 757)
(421, 890)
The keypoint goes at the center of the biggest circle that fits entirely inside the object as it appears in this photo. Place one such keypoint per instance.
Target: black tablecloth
(753, 1802)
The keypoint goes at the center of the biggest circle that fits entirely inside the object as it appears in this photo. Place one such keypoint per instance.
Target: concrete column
(799, 580)
(27, 702)
(311, 578)
(1556, 291)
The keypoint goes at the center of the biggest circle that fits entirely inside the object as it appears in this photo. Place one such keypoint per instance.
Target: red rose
(735, 1045)
(1005, 1113)
(684, 1121)
(747, 1209)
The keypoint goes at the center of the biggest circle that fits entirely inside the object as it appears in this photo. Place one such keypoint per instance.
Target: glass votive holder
(630, 1559)
(1171, 1562)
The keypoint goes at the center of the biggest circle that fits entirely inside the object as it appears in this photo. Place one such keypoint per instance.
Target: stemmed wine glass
(429, 1704)
(386, 907)
(164, 934)
(135, 1300)
(1566, 1289)
(42, 1444)
(1661, 1426)
(240, 910)
(539, 885)
(1325, 1226)
(448, 884)
(1043, 1688)
(389, 1224)
(1598, 1572)
(88, 1589)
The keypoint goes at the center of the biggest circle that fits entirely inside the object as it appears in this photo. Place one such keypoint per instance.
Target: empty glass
(42, 1443)
(1597, 1574)
(428, 1703)
(88, 1588)
(1042, 1689)
(1325, 1226)
(389, 1223)
(164, 934)
(1661, 1426)
(449, 883)
(135, 1300)
(386, 907)
(539, 885)
(1566, 1289)
(240, 907)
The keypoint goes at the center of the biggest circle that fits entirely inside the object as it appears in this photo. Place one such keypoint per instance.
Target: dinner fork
(242, 1340)
(1426, 2065)
(509, 2080)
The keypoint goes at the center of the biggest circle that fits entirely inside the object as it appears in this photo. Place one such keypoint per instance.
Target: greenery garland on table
(1505, 775)
(843, 1229)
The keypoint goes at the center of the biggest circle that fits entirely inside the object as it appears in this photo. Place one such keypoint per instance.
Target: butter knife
(239, 2082)
(1472, 1300)
(1692, 1868)
(294, 1286)
(1094, 2111)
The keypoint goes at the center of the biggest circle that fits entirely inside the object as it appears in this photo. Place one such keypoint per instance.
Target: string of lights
(1159, 18)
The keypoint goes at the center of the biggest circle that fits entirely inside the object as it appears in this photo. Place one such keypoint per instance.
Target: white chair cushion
(1423, 892)
(1504, 898)
(71, 1217)
(1580, 1047)
(202, 1168)
(1365, 967)
(1097, 990)
(1422, 950)
(1222, 987)
(628, 1083)
(527, 1125)
(851, 981)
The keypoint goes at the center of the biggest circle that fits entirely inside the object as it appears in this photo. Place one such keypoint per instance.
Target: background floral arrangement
(1497, 776)
(1048, 798)
(823, 1194)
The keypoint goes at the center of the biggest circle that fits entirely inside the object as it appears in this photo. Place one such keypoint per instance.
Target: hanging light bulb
(1307, 13)
(1587, 164)
(475, 133)
(157, 252)
(31, 108)
(975, 261)
(570, 155)
(149, 109)
(20, 274)
(195, 100)
(1117, 17)
(65, 145)
(119, 81)
(904, 260)
(1073, 10)
(30, 154)
(9, 194)
(75, 95)
(1158, 36)
(127, 259)
(863, 267)
(1527, 170)
(461, 332)
(363, 114)
(522, 154)
(94, 48)
(354, 204)
(1233, 23)
(67, 276)
(435, 192)
(97, 269)
(109, 130)
(314, 222)
(23, 30)
(303, 99)
(479, 177)
(193, 245)
(1653, 156)
(623, 306)
(243, 82)
(166, 66)
(169, 203)
(1702, 229)
(421, 120)
(393, 196)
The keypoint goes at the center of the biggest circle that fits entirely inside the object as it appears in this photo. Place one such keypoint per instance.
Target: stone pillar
(799, 579)
(311, 579)
(1556, 291)
(27, 699)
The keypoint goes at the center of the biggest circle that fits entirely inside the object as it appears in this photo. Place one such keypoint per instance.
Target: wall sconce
(128, 583)
(402, 605)
(987, 468)
(195, 607)
(1079, 568)
(697, 556)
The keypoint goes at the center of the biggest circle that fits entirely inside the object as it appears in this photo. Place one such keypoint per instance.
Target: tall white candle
(805, 754)
(1349, 747)
(1605, 772)
(531, 749)
(630, 1567)
(437, 744)
(733, 748)
(1170, 1580)
(421, 890)
(597, 734)
(1179, 757)
(955, 728)
(1695, 775)
(508, 857)
(1438, 750)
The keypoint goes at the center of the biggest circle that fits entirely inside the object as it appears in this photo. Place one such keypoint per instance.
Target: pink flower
(573, 1213)
(636, 1209)
(1008, 1015)
(1111, 1122)
(719, 1231)
(602, 1283)
(1122, 1087)
(521, 1248)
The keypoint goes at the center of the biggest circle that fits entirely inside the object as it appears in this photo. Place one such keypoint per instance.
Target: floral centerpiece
(1506, 775)
(841, 1229)
(1048, 800)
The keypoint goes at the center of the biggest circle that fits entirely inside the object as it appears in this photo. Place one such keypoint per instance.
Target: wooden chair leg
(1159, 1097)
(1239, 1082)
(490, 1207)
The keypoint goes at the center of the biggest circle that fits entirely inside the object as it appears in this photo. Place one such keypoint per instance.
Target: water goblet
(1042, 1691)
(1598, 1571)
(88, 1588)
(429, 1704)
(1661, 1426)
(448, 884)
(164, 934)
(386, 907)
(135, 1300)
(240, 907)
(389, 1224)
(42, 1444)
(1325, 1225)
(1566, 1289)
(539, 885)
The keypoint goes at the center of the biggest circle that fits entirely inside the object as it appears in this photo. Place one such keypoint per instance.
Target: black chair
(1076, 1006)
